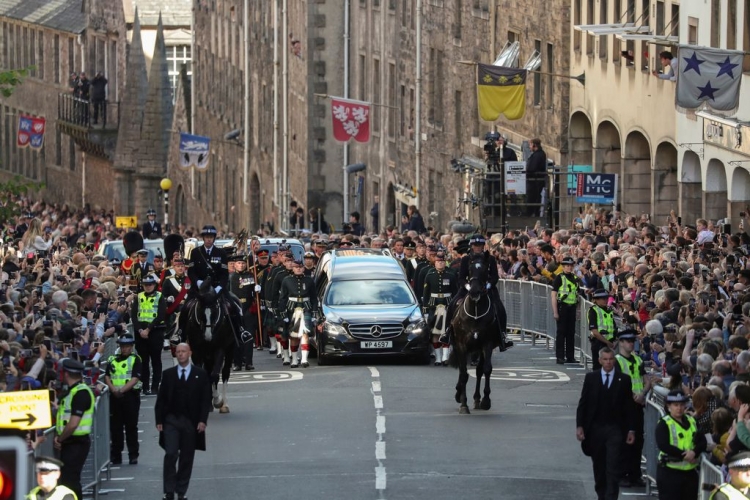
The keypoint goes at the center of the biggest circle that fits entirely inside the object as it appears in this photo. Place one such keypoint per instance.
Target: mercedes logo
(376, 331)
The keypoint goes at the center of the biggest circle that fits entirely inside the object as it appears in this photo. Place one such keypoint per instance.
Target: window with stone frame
(177, 55)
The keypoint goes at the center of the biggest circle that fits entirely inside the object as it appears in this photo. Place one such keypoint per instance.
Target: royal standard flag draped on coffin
(501, 91)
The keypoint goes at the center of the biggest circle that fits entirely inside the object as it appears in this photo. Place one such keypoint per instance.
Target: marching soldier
(148, 314)
(175, 289)
(310, 262)
(601, 324)
(632, 365)
(564, 297)
(123, 377)
(412, 263)
(275, 288)
(298, 301)
(210, 261)
(263, 268)
(75, 418)
(440, 285)
(422, 269)
(141, 268)
(242, 285)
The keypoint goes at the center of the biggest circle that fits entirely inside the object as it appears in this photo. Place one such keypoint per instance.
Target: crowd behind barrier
(97, 462)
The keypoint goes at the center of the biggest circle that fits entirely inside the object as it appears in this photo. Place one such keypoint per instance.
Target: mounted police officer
(148, 313)
(210, 261)
(477, 250)
(298, 301)
(242, 285)
(75, 419)
(47, 475)
(273, 291)
(631, 365)
(440, 285)
(123, 378)
(601, 324)
(564, 296)
(175, 289)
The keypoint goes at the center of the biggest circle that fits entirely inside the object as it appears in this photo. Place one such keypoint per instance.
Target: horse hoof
(224, 409)
(486, 404)
(218, 405)
(476, 405)
(464, 410)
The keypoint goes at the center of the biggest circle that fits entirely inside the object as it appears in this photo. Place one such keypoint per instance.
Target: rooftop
(173, 12)
(61, 15)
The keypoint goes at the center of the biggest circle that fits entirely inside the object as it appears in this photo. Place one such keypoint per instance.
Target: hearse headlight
(417, 327)
(334, 329)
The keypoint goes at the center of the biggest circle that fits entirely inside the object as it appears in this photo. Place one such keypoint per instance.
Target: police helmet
(149, 279)
(208, 230)
(477, 239)
(126, 340)
(568, 261)
(151, 211)
(600, 293)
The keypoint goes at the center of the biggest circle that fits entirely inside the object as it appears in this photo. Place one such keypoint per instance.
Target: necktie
(606, 380)
(182, 375)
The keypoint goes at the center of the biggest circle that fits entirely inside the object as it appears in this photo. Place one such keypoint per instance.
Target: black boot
(504, 344)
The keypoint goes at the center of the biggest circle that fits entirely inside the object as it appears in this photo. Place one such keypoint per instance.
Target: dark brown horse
(212, 342)
(475, 326)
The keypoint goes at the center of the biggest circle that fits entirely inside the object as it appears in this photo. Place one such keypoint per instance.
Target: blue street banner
(573, 179)
(709, 76)
(596, 188)
(194, 151)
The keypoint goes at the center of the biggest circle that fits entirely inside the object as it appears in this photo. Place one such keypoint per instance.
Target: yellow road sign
(25, 410)
(126, 221)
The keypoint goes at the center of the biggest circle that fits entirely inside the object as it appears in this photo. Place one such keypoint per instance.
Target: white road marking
(265, 377)
(380, 450)
(380, 478)
(122, 478)
(380, 424)
(527, 375)
(380, 475)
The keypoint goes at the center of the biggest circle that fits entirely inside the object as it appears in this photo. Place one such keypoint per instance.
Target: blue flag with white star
(709, 76)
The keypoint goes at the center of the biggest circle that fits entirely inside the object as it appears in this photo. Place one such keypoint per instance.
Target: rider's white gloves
(218, 288)
(200, 282)
(489, 286)
(257, 288)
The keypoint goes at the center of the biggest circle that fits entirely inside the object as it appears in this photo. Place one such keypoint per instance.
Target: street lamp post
(166, 185)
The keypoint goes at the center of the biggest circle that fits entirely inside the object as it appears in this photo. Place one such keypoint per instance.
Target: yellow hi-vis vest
(63, 412)
(122, 371)
(635, 373)
(58, 493)
(681, 439)
(730, 491)
(568, 293)
(148, 307)
(605, 323)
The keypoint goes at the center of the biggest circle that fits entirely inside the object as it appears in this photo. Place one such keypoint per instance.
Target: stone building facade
(57, 38)
(382, 70)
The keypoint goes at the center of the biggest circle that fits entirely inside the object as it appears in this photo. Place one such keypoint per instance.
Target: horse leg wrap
(305, 347)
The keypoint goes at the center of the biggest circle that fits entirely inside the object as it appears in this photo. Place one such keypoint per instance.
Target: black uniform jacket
(202, 265)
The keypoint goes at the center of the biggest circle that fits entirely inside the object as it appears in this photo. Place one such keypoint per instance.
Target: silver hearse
(367, 308)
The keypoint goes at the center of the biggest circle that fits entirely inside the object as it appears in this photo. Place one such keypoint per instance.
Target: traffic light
(13, 468)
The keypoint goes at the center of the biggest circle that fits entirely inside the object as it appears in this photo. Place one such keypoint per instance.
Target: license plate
(377, 344)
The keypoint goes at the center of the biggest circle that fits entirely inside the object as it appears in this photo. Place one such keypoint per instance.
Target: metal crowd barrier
(710, 475)
(527, 305)
(97, 461)
(653, 412)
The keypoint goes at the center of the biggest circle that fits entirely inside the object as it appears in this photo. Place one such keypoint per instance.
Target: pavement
(375, 429)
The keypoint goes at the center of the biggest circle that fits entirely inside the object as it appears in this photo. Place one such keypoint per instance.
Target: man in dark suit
(181, 409)
(603, 420)
(151, 227)
(211, 261)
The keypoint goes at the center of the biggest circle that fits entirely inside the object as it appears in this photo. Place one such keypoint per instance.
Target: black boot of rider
(445, 338)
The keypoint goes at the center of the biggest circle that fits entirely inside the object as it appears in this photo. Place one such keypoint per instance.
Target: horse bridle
(489, 306)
